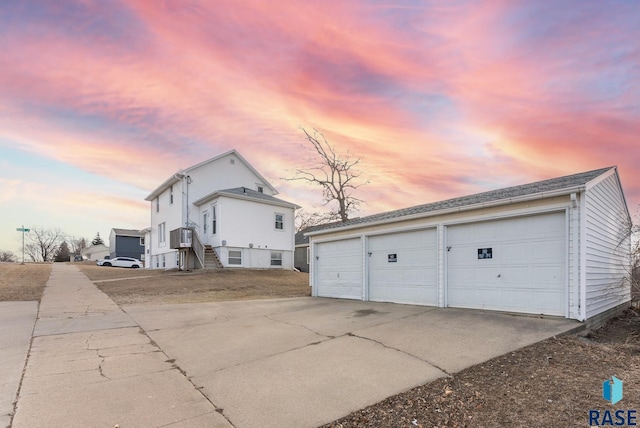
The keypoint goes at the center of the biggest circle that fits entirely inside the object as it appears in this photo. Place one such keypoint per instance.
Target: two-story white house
(220, 212)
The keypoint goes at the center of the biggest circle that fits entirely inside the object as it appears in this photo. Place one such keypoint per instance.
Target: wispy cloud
(439, 99)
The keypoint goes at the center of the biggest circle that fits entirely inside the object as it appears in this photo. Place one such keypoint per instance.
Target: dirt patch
(23, 282)
(552, 383)
(134, 286)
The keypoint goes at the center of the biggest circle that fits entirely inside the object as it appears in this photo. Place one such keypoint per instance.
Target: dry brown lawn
(23, 282)
(137, 286)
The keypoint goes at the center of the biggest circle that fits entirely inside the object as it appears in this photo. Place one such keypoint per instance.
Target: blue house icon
(612, 390)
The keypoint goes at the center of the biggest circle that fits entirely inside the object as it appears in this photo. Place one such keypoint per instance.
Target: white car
(127, 262)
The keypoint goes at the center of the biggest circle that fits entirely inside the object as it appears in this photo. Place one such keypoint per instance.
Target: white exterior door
(338, 269)
(403, 267)
(205, 228)
(515, 264)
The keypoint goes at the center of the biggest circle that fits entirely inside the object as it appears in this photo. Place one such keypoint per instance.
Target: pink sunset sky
(100, 102)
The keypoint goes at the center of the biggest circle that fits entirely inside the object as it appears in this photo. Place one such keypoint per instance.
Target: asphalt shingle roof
(127, 232)
(545, 186)
(250, 193)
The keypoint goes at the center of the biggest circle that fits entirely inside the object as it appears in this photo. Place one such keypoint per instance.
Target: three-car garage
(542, 250)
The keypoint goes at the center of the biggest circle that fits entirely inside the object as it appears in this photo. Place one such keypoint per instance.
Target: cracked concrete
(304, 362)
(90, 364)
(263, 363)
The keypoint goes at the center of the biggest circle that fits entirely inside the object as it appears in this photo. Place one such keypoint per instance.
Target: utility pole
(23, 230)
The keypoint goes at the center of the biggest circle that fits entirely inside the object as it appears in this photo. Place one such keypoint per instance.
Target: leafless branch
(336, 174)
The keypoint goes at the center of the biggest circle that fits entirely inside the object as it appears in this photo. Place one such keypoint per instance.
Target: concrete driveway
(305, 362)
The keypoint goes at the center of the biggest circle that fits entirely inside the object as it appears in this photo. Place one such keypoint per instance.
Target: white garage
(551, 247)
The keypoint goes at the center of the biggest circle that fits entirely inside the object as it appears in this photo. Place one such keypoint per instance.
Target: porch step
(211, 260)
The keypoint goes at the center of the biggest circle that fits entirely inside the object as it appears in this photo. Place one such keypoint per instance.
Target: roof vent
(232, 161)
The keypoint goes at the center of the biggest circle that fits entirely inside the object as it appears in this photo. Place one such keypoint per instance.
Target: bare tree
(77, 245)
(335, 173)
(7, 256)
(305, 219)
(41, 244)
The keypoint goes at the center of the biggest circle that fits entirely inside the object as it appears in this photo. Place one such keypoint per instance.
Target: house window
(276, 258)
(164, 261)
(260, 189)
(205, 222)
(279, 221)
(214, 220)
(142, 241)
(235, 257)
(158, 204)
(161, 234)
(171, 195)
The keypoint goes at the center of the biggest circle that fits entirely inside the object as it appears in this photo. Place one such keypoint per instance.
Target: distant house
(219, 213)
(301, 258)
(95, 252)
(126, 243)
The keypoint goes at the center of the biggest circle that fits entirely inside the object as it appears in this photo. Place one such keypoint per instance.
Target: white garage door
(338, 269)
(403, 267)
(516, 264)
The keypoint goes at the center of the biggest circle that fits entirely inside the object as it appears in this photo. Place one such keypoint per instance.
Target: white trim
(567, 237)
(583, 258)
(364, 247)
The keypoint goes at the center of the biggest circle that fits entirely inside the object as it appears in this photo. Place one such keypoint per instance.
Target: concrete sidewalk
(16, 326)
(91, 365)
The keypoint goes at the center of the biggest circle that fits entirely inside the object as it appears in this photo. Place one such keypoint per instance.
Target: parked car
(77, 258)
(128, 262)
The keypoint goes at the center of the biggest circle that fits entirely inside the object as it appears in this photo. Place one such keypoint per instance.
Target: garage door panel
(527, 271)
(339, 269)
(412, 277)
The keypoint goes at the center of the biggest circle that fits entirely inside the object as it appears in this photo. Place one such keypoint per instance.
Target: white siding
(250, 226)
(606, 247)
(171, 215)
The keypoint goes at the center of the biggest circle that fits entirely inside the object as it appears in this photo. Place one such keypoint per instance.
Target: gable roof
(540, 189)
(247, 194)
(127, 232)
(177, 176)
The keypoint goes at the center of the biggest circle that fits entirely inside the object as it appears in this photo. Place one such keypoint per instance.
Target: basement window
(276, 258)
(235, 257)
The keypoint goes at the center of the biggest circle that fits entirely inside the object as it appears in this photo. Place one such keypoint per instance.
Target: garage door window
(235, 257)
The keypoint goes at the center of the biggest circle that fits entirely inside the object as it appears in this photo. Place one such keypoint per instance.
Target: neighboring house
(126, 243)
(302, 245)
(301, 256)
(554, 247)
(223, 213)
(95, 252)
